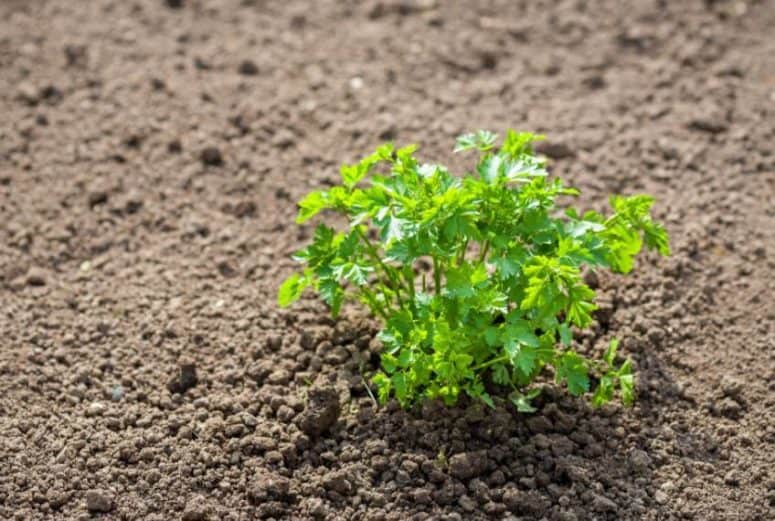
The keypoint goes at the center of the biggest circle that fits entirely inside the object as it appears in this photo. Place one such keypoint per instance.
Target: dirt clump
(321, 411)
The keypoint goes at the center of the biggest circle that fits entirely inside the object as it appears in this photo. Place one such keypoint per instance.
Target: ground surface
(150, 157)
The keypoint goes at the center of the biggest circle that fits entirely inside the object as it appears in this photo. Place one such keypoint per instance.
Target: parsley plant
(476, 278)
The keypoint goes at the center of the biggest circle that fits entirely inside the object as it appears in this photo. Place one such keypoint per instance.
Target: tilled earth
(150, 155)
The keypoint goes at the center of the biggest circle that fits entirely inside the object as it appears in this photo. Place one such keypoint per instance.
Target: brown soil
(150, 155)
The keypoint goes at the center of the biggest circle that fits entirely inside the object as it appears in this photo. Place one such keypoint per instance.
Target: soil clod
(321, 411)
(36, 276)
(99, 501)
(97, 197)
(248, 68)
(184, 379)
(197, 509)
(468, 464)
(554, 149)
(211, 156)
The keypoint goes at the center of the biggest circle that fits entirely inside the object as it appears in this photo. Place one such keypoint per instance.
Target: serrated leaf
(572, 368)
(332, 294)
(500, 375)
(627, 388)
(401, 322)
(479, 274)
(492, 336)
(521, 332)
(523, 170)
(511, 263)
(405, 358)
(352, 174)
(656, 238)
(312, 204)
(517, 144)
(523, 405)
(490, 169)
(400, 386)
(578, 229)
(384, 386)
(384, 152)
(486, 398)
(566, 336)
(389, 363)
(579, 313)
(482, 140)
(462, 279)
(404, 154)
(391, 342)
(400, 252)
(604, 392)
(356, 273)
(525, 359)
(626, 368)
(291, 289)
(610, 352)
(392, 229)
(623, 245)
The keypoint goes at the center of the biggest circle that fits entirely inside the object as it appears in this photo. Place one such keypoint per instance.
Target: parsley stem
(437, 275)
(388, 273)
(410, 286)
(491, 362)
(374, 303)
(462, 255)
(485, 249)
(611, 220)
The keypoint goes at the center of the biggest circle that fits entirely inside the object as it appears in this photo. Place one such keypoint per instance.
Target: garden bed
(151, 154)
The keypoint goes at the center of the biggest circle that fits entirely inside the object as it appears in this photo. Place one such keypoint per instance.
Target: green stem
(462, 255)
(485, 249)
(374, 303)
(437, 275)
(396, 283)
(610, 220)
(491, 362)
(410, 287)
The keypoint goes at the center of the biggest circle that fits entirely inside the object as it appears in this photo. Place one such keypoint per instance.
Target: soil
(150, 155)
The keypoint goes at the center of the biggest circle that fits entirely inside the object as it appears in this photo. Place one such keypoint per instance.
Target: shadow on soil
(566, 461)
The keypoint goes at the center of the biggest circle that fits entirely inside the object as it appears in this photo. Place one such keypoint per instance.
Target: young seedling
(476, 278)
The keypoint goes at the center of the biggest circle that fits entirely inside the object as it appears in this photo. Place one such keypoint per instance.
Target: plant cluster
(476, 278)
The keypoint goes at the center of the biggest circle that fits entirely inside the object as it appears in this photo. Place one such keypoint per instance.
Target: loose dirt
(150, 155)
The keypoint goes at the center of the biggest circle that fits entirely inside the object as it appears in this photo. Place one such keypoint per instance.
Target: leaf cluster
(477, 278)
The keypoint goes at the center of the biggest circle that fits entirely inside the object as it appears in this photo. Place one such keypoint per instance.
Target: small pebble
(36, 277)
(98, 501)
(95, 409)
(248, 68)
(211, 156)
(356, 83)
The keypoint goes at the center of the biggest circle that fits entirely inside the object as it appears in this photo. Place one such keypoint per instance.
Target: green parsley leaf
(481, 140)
(610, 352)
(627, 386)
(311, 205)
(291, 289)
(573, 369)
(523, 402)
